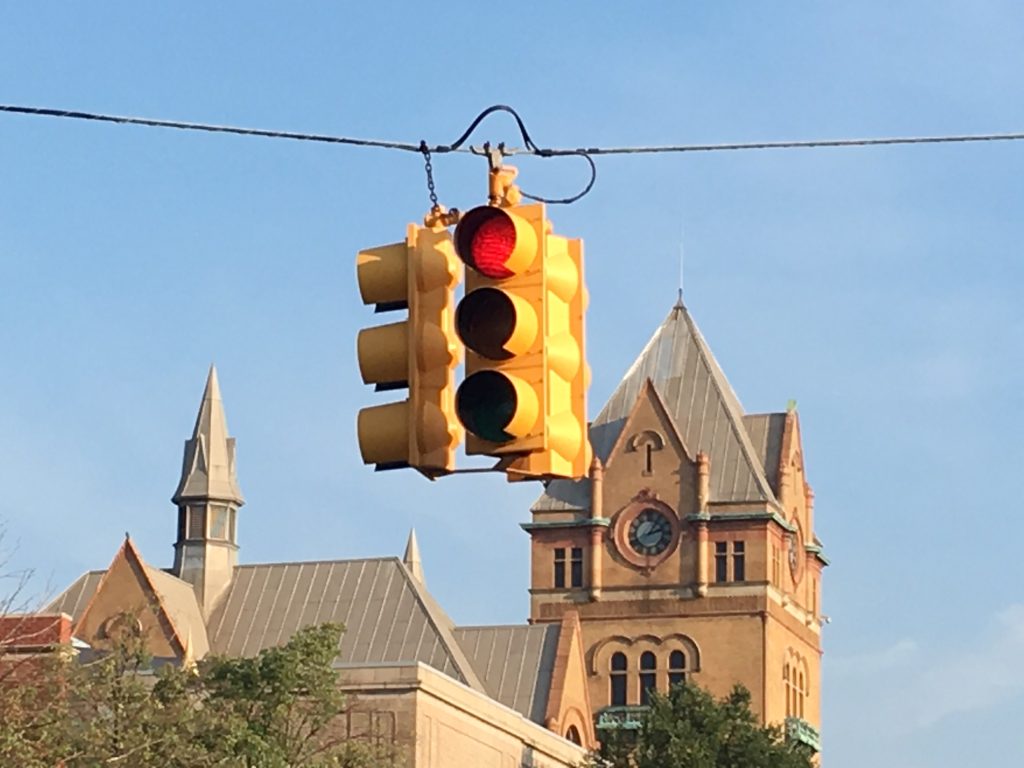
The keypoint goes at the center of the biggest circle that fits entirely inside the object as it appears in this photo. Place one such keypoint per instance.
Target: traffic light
(524, 396)
(420, 353)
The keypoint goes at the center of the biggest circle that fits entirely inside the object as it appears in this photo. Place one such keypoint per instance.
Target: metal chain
(430, 175)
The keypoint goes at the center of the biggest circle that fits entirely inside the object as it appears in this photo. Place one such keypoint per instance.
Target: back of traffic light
(523, 399)
(419, 274)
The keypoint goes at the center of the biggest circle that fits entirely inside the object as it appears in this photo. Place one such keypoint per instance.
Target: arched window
(648, 676)
(618, 679)
(794, 679)
(573, 735)
(676, 668)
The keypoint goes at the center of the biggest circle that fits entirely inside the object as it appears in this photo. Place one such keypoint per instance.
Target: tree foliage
(279, 709)
(688, 728)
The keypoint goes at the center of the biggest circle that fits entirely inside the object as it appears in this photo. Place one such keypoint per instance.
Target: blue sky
(877, 287)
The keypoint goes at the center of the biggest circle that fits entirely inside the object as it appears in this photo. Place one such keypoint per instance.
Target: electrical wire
(813, 143)
(149, 122)
(529, 146)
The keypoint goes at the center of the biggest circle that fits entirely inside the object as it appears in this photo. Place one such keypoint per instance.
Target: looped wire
(531, 147)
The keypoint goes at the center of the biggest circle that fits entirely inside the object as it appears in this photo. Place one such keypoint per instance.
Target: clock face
(650, 532)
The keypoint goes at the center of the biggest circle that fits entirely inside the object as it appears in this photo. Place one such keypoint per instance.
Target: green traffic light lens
(486, 403)
(485, 321)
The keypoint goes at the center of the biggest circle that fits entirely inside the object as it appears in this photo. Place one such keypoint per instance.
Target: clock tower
(689, 551)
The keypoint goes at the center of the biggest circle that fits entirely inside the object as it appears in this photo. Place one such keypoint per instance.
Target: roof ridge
(320, 562)
(431, 608)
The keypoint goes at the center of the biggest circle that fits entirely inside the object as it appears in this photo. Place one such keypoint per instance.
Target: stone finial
(412, 557)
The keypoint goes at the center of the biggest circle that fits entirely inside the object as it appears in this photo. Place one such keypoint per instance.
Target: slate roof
(515, 663)
(388, 616)
(706, 411)
(765, 430)
(75, 598)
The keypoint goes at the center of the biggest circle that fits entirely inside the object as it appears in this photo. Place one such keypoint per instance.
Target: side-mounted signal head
(495, 243)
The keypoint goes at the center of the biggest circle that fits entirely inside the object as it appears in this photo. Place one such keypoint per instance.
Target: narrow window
(231, 524)
(648, 676)
(739, 569)
(618, 679)
(721, 562)
(219, 522)
(648, 459)
(676, 668)
(182, 519)
(573, 735)
(801, 691)
(577, 567)
(196, 523)
(789, 690)
(560, 568)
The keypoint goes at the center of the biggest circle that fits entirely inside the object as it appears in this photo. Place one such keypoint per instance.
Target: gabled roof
(173, 600)
(208, 469)
(514, 662)
(698, 397)
(388, 615)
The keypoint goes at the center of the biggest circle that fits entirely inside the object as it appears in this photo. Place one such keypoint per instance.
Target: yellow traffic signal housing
(524, 395)
(420, 353)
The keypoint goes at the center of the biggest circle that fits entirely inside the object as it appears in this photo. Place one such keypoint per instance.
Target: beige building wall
(439, 723)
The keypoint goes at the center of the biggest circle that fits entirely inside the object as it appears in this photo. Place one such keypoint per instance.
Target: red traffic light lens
(484, 239)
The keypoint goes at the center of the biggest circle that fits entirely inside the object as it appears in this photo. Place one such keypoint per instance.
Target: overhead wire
(529, 146)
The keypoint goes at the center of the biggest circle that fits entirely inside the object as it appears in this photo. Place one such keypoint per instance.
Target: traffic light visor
(495, 243)
(496, 407)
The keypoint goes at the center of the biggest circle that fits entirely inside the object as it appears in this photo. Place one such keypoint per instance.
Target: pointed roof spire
(700, 401)
(412, 557)
(208, 471)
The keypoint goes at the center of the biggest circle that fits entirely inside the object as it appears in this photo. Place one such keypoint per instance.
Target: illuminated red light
(492, 244)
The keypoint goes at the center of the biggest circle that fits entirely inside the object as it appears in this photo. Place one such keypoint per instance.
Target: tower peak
(208, 471)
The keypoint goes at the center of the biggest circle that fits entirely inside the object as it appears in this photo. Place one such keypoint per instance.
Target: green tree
(278, 709)
(688, 728)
